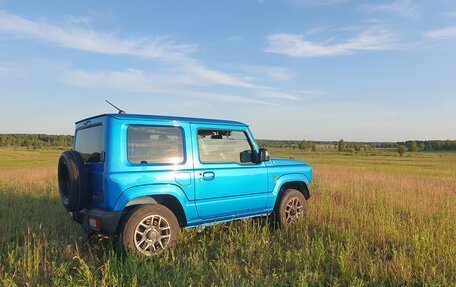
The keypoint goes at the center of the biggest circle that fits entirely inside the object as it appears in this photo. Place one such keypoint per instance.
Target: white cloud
(226, 98)
(405, 8)
(179, 71)
(8, 70)
(137, 81)
(308, 94)
(204, 76)
(442, 34)
(162, 49)
(131, 80)
(292, 95)
(277, 95)
(297, 46)
(269, 72)
(90, 40)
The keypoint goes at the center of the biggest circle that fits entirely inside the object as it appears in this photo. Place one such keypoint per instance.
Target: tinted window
(155, 145)
(89, 143)
(222, 146)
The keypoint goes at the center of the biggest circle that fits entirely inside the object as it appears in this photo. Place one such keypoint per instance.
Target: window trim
(102, 159)
(224, 162)
(184, 150)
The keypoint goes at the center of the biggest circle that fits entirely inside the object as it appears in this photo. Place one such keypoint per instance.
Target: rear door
(224, 186)
(89, 143)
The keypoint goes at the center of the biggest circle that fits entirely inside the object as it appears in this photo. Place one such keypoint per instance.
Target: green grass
(372, 220)
(20, 157)
(381, 161)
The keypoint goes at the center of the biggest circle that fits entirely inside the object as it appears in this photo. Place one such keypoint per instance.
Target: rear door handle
(208, 175)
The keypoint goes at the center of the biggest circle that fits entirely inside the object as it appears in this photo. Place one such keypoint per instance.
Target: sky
(293, 69)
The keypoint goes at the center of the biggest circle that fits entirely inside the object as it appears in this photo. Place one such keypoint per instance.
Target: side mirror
(246, 156)
(264, 155)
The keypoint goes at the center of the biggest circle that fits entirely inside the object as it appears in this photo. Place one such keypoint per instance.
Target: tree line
(341, 145)
(66, 141)
(35, 141)
(431, 145)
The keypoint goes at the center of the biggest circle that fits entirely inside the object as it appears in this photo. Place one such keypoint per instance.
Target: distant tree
(314, 147)
(401, 150)
(341, 147)
(306, 145)
(421, 146)
(413, 146)
(302, 144)
(357, 147)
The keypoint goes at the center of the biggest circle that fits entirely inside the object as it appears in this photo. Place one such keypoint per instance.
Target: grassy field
(17, 158)
(373, 219)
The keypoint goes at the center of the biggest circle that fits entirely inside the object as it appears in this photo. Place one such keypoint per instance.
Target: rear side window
(216, 146)
(155, 145)
(89, 143)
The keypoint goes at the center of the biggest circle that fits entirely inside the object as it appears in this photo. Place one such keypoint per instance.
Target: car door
(225, 187)
(89, 142)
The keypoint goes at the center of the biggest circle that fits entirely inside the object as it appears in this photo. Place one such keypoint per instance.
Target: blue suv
(143, 177)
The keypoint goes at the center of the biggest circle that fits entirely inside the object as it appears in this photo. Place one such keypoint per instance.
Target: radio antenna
(122, 112)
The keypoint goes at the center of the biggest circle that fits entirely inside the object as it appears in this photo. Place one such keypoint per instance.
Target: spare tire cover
(72, 177)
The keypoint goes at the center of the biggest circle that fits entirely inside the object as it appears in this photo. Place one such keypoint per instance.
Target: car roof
(165, 118)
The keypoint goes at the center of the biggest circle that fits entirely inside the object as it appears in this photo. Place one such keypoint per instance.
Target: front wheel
(292, 206)
(149, 229)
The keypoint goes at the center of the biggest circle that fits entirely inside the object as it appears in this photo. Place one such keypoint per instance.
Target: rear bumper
(107, 222)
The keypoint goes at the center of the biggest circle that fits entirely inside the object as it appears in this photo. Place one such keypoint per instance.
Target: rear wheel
(291, 207)
(149, 229)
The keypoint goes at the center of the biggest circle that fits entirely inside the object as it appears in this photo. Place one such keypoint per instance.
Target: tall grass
(364, 227)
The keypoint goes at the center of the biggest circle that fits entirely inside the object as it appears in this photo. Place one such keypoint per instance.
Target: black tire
(72, 177)
(291, 206)
(156, 239)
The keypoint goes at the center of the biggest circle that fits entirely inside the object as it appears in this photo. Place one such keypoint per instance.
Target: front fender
(289, 178)
(150, 190)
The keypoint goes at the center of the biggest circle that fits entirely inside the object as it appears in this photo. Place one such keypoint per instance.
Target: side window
(217, 146)
(89, 143)
(155, 145)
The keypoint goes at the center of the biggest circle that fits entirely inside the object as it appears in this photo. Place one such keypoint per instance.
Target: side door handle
(207, 176)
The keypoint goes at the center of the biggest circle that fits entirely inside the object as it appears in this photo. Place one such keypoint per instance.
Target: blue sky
(297, 69)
